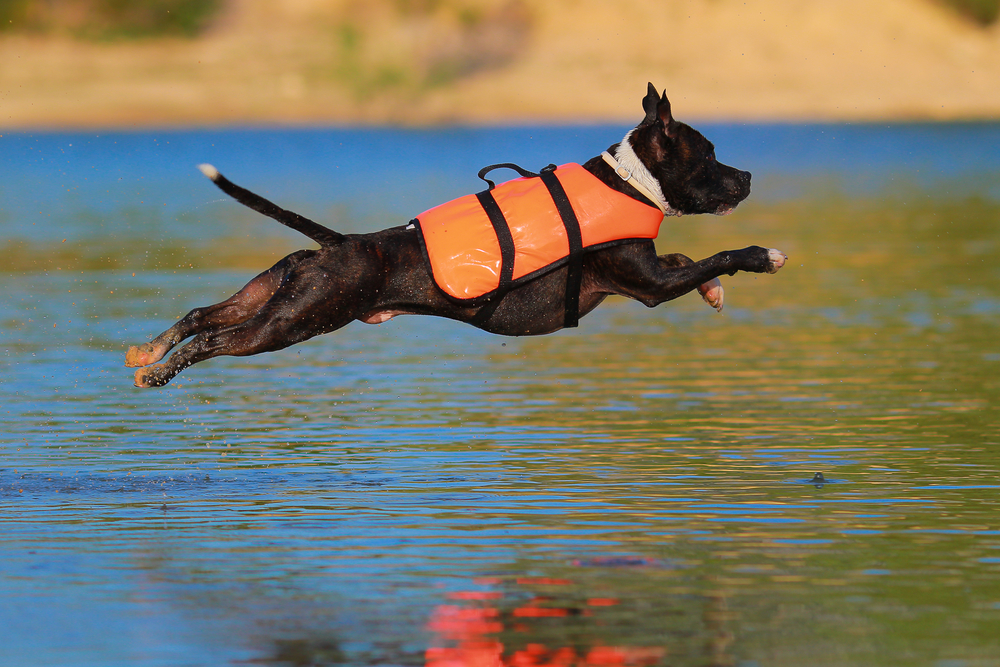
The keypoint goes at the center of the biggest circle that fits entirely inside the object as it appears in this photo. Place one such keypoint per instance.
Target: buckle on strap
(619, 168)
(629, 178)
(622, 172)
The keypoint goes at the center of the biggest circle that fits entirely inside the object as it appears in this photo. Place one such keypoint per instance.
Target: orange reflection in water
(471, 633)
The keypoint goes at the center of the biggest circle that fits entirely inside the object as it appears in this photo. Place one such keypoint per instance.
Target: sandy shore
(562, 61)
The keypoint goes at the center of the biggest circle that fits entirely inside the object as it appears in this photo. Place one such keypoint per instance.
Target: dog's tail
(314, 230)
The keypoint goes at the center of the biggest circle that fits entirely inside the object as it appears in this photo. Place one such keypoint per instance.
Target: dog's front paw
(775, 260)
(712, 293)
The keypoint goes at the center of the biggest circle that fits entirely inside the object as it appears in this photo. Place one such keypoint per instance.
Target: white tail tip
(209, 171)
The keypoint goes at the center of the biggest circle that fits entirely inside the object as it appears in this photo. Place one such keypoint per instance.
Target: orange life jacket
(465, 246)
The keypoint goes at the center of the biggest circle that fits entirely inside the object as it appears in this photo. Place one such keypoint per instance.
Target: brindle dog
(374, 277)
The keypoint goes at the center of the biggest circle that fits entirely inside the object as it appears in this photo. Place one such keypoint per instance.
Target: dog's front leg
(712, 291)
(642, 275)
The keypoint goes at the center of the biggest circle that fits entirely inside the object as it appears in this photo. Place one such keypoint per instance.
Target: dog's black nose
(738, 184)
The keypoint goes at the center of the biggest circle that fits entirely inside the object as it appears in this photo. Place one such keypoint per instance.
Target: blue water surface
(382, 177)
(633, 492)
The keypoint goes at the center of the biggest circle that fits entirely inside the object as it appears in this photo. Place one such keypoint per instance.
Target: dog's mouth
(728, 204)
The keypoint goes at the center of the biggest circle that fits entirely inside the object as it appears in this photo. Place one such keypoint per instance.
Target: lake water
(634, 492)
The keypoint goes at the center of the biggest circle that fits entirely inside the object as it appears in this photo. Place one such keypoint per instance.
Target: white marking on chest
(631, 163)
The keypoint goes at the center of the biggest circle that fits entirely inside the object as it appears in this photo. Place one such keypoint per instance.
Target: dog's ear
(649, 103)
(657, 108)
(663, 109)
(664, 115)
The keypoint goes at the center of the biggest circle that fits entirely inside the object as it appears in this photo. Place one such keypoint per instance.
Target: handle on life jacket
(509, 165)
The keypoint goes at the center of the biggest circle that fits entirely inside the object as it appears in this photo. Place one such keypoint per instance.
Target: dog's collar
(630, 169)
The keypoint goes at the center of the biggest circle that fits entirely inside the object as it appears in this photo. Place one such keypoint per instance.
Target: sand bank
(575, 61)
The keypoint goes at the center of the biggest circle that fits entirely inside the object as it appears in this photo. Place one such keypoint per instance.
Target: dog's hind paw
(148, 377)
(712, 293)
(144, 355)
(776, 260)
(139, 355)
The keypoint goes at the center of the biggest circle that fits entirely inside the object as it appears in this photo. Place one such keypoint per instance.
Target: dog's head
(683, 162)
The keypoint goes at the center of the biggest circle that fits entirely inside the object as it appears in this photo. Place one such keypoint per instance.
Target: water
(635, 492)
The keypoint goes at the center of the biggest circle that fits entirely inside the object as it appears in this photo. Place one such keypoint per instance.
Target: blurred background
(99, 63)
(636, 492)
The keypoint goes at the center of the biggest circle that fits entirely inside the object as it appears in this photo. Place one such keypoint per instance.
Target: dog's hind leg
(237, 308)
(310, 300)
(269, 330)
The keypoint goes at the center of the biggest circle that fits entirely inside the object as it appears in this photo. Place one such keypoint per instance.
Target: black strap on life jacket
(574, 270)
(506, 241)
(574, 274)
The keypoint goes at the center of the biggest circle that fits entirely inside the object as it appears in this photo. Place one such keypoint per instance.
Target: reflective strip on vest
(462, 245)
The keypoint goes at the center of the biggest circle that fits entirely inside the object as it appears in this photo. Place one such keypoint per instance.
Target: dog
(662, 166)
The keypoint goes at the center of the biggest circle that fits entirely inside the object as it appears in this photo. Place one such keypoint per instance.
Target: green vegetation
(109, 19)
(415, 45)
(983, 12)
(456, 28)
